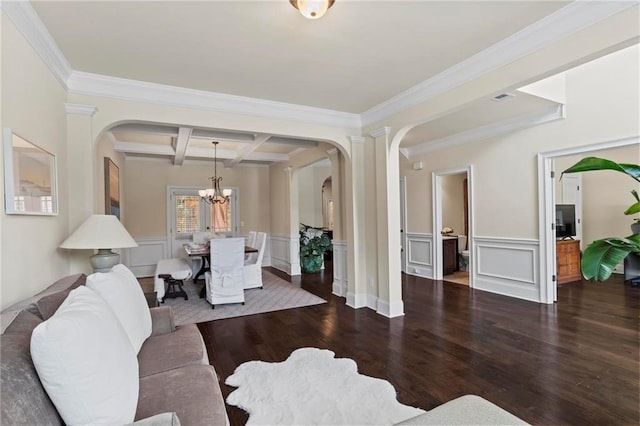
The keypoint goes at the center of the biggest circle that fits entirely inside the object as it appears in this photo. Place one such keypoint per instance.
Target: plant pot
(311, 264)
(635, 228)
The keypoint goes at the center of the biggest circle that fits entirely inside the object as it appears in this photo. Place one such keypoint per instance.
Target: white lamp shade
(99, 231)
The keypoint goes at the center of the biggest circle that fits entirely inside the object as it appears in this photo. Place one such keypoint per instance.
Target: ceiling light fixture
(215, 195)
(312, 9)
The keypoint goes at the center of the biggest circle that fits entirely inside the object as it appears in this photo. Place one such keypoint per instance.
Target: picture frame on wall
(111, 188)
(30, 177)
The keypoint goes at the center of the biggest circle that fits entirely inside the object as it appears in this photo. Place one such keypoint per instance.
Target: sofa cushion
(192, 392)
(24, 400)
(85, 361)
(51, 301)
(123, 293)
(168, 351)
(23, 323)
(30, 304)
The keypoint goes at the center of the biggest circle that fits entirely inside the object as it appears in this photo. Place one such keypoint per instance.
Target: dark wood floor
(574, 362)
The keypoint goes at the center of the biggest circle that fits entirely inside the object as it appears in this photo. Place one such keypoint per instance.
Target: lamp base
(104, 260)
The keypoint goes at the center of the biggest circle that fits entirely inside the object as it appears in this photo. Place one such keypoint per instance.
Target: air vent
(503, 97)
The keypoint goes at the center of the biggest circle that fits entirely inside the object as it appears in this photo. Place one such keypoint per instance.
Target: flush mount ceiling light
(312, 9)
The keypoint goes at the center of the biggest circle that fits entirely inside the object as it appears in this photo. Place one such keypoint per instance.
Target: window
(187, 214)
(221, 216)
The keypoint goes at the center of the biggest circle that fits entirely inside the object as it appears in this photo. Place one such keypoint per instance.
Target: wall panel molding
(419, 254)
(507, 266)
(340, 272)
(284, 255)
(142, 260)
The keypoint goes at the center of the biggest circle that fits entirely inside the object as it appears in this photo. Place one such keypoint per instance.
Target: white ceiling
(360, 54)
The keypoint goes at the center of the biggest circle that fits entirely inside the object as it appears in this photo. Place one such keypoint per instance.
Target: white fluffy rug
(313, 387)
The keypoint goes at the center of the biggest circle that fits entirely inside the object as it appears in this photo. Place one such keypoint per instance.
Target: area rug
(276, 294)
(312, 387)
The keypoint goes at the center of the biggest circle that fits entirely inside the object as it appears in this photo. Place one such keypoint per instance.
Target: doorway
(453, 209)
(547, 178)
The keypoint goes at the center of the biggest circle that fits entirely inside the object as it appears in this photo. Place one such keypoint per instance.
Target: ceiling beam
(222, 135)
(181, 144)
(194, 152)
(248, 149)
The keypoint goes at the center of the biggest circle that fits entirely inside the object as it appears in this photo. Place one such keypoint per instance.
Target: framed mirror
(30, 185)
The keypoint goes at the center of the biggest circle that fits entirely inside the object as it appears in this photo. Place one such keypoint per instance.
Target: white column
(340, 279)
(388, 225)
(355, 225)
(294, 220)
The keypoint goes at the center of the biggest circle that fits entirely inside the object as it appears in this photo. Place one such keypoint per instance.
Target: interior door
(571, 194)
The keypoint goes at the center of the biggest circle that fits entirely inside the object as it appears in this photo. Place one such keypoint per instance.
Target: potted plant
(602, 256)
(314, 242)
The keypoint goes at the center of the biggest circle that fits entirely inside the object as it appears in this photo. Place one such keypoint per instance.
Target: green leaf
(602, 256)
(635, 208)
(635, 195)
(599, 260)
(594, 163)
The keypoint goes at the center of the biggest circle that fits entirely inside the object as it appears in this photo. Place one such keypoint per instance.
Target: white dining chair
(224, 282)
(253, 268)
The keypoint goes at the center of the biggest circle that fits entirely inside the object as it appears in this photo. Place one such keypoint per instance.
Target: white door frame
(436, 182)
(403, 223)
(546, 211)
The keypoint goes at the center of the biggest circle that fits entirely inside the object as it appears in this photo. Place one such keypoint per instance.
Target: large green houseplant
(314, 242)
(602, 256)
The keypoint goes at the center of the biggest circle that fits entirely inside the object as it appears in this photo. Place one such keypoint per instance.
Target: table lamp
(102, 232)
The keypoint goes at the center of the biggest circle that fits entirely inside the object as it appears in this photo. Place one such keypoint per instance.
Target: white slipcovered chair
(252, 270)
(202, 237)
(224, 282)
(251, 239)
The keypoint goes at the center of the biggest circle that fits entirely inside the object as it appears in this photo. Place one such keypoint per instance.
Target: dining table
(204, 252)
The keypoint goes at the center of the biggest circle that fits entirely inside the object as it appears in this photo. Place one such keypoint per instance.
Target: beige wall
(145, 193)
(453, 202)
(281, 185)
(33, 106)
(602, 105)
(310, 180)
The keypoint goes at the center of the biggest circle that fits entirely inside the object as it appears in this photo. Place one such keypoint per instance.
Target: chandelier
(312, 9)
(215, 195)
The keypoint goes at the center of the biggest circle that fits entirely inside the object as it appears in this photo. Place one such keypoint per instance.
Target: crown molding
(82, 83)
(383, 131)
(572, 18)
(80, 109)
(27, 21)
(357, 139)
(490, 130)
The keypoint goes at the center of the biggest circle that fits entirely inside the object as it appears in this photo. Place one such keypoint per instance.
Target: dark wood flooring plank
(574, 362)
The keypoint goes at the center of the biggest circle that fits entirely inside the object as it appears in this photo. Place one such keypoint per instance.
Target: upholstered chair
(252, 270)
(224, 282)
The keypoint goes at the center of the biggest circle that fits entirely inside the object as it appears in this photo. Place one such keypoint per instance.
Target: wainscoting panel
(507, 266)
(420, 255)
(142, 260)
(285, 253)
(340, 277)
